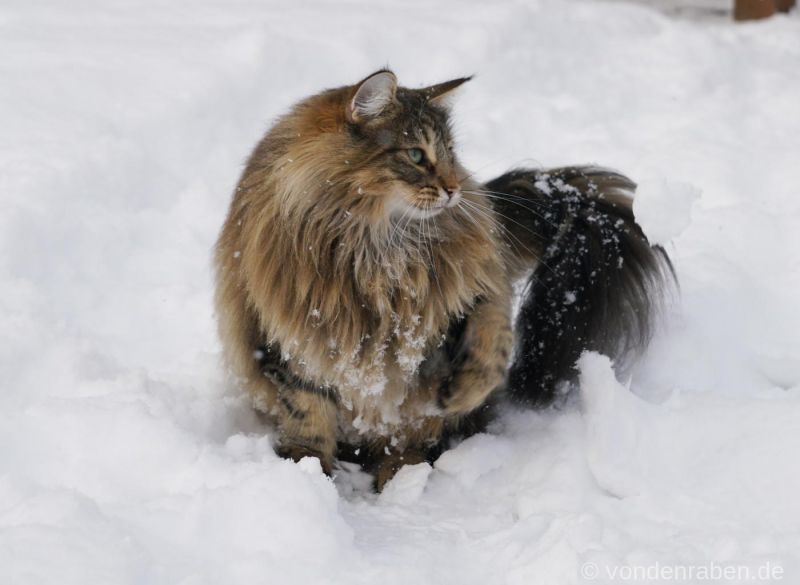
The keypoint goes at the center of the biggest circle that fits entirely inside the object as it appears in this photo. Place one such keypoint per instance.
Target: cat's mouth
(433, 203)
(424, 203)
(421, 212)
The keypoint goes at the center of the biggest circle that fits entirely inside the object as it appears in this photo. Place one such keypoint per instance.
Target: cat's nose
(453, 196)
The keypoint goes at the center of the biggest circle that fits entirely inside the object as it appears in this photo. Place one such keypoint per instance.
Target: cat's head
(403, 143)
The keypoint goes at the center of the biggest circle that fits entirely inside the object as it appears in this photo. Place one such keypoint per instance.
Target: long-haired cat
(364, 279)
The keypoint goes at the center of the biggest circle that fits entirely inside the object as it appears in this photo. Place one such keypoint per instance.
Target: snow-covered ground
(127, 458)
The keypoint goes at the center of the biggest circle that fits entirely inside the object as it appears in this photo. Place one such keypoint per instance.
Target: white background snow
(126, 457)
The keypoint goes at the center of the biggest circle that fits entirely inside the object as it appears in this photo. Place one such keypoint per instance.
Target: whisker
(523, 226)
(432, 259)
(502, 230)
(508, 198)
(490, 213)
(539, 258)
(390, 243)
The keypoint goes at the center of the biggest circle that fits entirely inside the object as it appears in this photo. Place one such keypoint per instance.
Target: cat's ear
(441, 93)
(373, 96)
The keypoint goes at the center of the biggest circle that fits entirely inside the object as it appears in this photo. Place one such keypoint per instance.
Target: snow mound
(616, 423)
(663, 208)
(407, 485)
(680, 449)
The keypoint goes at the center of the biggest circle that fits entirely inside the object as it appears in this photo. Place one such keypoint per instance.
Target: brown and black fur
(364, 299)
(332, 309)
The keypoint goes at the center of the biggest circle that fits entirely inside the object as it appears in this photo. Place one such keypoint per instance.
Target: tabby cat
(364, 278)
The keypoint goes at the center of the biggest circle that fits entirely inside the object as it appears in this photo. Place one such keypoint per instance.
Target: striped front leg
(306, 413)
(479, 356)
(307, 426)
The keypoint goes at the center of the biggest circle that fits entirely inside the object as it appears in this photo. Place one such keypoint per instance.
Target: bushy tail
(597, 283)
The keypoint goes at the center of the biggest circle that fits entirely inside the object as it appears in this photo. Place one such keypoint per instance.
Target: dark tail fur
(597, 282)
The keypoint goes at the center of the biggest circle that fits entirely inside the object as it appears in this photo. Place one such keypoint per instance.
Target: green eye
(416, 155)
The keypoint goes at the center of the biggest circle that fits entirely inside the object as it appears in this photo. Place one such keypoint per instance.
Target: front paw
(469, 389)
(297, 452)
(464, 400)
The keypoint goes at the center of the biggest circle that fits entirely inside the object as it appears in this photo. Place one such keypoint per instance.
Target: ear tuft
(373, 96)
(440, 93)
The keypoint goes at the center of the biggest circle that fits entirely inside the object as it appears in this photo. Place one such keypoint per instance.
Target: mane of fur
(307, 260)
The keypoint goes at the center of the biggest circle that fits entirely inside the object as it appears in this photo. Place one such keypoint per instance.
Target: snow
(663, 208)
(407, 485)
(127, 456)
